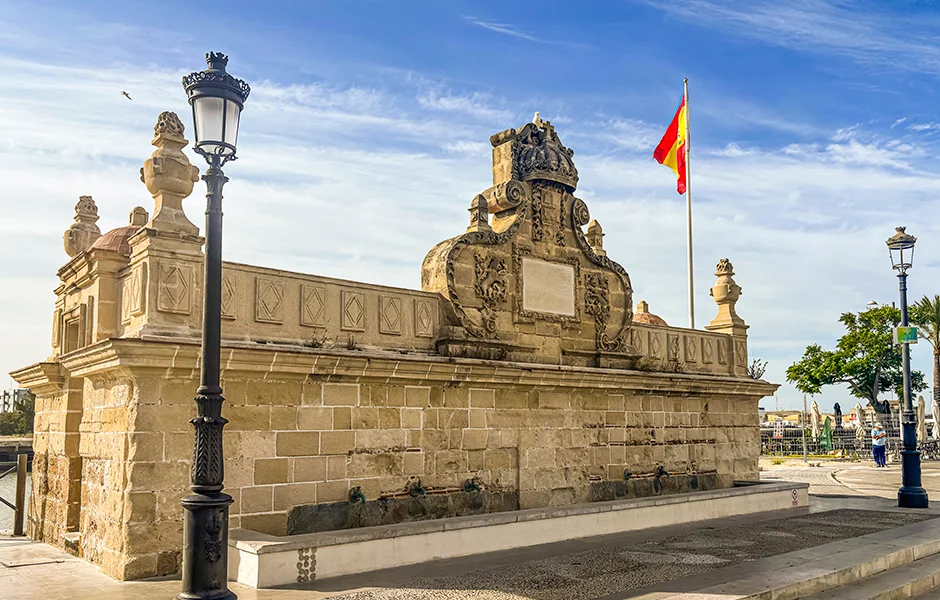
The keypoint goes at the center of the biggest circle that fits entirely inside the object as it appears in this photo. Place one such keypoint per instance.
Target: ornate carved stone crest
(532, 274)
(539, 154)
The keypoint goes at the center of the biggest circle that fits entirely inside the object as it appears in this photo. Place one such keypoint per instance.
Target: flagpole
(688, 206)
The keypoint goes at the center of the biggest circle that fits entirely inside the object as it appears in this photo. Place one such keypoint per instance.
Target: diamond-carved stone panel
(636, 340)
(708, 351)
(139, 292)
(175, 288)
(312, 306)
(656, 345)
(229, 298)
(129, 290)
(691, 347)
(740, 353)
(353, 316)
(723, 352)
(672, 347)
(269, 300)
(390, 315)
(425, 318)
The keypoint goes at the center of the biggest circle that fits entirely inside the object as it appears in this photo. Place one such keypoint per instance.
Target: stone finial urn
(479, 215)
(595, 237)
(169, 176)
(726, 293)
(83, 232)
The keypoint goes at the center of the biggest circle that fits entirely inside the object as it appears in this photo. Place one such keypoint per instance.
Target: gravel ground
(618, 568)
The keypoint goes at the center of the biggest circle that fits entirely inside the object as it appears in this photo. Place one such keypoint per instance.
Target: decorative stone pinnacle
(595, 237)
(169, 177)
(168, 128)
(726, 293)
(642, 307)
(479, 215)
(138, 216)
(724, 267)
(83, 232)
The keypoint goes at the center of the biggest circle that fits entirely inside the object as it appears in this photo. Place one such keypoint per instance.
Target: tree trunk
(936, 383)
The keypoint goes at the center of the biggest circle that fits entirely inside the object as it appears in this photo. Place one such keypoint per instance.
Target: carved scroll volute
(505, 196)
(169, 176)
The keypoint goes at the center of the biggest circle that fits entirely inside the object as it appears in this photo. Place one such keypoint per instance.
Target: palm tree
(926, 315)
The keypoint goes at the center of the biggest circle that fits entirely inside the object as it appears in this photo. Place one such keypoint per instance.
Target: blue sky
(814, 127)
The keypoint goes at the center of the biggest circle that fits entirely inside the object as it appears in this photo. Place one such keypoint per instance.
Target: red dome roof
(116, 240)
(643, 315)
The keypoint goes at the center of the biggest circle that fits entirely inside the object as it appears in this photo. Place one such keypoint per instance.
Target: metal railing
(789, 442)
(18, 506)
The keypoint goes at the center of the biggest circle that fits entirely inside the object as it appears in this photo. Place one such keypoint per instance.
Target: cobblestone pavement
(621, 567)
(575, 570)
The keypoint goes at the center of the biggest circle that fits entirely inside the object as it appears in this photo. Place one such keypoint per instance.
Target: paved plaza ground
(850, 500)
(838, 478)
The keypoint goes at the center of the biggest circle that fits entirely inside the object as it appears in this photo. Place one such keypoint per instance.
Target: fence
(18, 506)
(788, 441)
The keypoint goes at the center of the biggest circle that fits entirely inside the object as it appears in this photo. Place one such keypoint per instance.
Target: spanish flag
(671, 150)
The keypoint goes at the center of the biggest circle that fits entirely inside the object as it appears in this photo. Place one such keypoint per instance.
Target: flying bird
(537, 120)
(126, 95)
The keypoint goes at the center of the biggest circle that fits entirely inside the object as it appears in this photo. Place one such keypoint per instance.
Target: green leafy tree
(926, 315)
(19, 421)
(865, 358)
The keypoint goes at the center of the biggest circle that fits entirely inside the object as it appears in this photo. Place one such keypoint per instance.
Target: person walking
(879, 437)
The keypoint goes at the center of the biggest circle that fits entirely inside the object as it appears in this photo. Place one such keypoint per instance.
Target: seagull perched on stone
(537, 120)
(126, 95)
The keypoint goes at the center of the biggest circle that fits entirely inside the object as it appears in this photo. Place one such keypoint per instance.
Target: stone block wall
(53, 507)
(305, 426)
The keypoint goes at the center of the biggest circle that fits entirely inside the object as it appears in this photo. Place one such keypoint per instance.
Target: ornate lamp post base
(911, 494)
(205, 535)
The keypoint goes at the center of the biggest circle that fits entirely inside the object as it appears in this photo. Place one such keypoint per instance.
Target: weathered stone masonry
(548, 391)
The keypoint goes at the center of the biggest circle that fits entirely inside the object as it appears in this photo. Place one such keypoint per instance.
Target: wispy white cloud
(732, 150)
(468, 147)
(476, 105)
(868, 34)
(932, 126)
(506, 29)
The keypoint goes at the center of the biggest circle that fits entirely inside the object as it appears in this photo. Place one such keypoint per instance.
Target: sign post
(905, 335)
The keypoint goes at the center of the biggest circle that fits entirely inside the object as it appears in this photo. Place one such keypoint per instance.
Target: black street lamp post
(911, 494)
(217, 99)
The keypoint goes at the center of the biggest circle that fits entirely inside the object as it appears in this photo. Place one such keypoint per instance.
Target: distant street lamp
(217, 99)
(912, 494)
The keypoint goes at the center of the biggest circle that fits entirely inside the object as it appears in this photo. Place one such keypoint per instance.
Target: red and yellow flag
(671, 149)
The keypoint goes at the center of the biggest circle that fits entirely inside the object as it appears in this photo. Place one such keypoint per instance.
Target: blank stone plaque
(547, 287)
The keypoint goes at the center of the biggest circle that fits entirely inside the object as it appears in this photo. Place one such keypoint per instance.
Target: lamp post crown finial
(216, 60)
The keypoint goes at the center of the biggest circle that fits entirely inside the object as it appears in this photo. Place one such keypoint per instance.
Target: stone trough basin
(262, 561)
